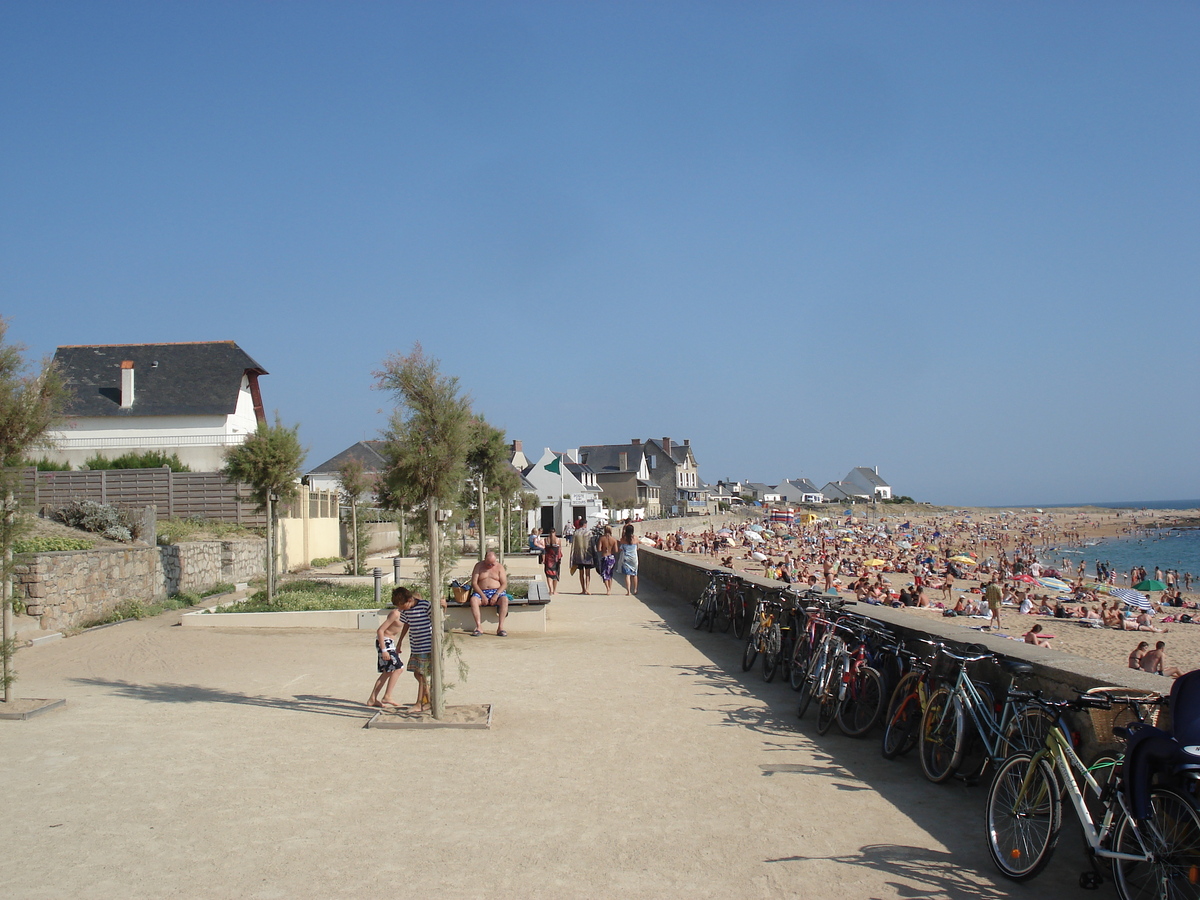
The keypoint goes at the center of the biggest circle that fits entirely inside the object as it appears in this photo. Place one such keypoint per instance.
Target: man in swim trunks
(388, 662)
(993, 595)
(489, 584)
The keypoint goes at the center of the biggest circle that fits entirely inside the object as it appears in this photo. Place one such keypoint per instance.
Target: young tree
(29, 405)
(269, 461)
(354, 482)
(427, 440)
(487, 458)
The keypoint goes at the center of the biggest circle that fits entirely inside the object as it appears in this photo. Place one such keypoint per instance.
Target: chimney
(687, 442)
(127, 384)
(624, 461)
(636, 441)
(666, 445)
(516, 446)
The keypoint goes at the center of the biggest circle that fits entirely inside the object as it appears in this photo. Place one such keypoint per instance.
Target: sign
(580, 498)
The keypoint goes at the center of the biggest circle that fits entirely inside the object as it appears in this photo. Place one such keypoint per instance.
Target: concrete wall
(1056, 673)
(303, 540)
(384, 536)
(74, 588)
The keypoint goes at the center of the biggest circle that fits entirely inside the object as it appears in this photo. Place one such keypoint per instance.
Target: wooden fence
(183, 495)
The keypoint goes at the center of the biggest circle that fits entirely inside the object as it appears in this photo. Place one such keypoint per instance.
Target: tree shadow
(927, 874)
(192, 693)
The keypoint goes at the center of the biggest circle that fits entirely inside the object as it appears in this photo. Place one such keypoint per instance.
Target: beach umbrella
(755, 537)
(1027, 579)
(904, 545)
(755, 527)
(768, 532)
(1100, 588)
(873, 562)
(1150, 584)
(1133, 598)
(965, 560)
(756, 555)
(1055, 584)
(724, 531)
(649, 542)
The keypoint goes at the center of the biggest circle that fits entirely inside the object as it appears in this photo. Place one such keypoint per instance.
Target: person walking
(606, 557)
(628, 561)
(552, 560)
(581, 555)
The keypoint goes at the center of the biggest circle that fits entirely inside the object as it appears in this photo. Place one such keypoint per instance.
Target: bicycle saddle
(1151, 749)
(1016, 667)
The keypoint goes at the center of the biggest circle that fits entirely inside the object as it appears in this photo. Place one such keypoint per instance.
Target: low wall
(1056, 673)
(383, 536)
(303, 540)
(71, 589)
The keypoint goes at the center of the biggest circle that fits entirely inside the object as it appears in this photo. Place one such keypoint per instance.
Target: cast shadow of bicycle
(920, 872)
(191, 693)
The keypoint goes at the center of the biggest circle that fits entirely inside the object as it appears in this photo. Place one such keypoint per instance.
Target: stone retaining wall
(71, 589)
(1056, 673)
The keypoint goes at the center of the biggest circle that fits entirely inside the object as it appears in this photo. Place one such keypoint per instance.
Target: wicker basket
(1121, 714)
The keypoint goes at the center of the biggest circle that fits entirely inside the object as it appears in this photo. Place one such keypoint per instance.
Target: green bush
(136, 609)
(100, 518)
(304, 596)
(44, 465)
(327, 561)
(222, 588)
(151, 459)
(51, 544)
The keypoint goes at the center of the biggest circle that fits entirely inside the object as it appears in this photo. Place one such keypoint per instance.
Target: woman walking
(629, 560)
(551, 559)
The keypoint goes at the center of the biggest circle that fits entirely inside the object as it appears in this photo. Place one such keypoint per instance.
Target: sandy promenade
(630, 757)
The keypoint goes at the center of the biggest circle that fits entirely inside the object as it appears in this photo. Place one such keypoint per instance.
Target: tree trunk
(270, 550)
(354, 532)
(502, 529)
(6, 597)
(482, 529)
(437, 701)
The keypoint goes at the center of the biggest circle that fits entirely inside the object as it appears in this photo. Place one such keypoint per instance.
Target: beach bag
(460, 591)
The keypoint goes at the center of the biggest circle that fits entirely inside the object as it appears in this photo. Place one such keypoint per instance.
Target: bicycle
(906, 707)
(765, 637)
(1151, 833)
(944, 740)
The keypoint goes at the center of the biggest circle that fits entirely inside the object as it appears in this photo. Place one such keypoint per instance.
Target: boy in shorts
(418, 625)
(387, 653)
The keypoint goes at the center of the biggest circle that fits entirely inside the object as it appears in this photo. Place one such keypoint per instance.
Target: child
(387, 651)
(418, 625)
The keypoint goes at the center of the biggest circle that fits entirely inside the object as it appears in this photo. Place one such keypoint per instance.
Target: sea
(1167, 548)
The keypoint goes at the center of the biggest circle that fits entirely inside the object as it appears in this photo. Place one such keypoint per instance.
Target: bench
(525, 614)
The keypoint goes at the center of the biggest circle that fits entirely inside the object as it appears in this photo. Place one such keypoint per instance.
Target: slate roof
(198, 379)
(803, 485)
(869, 475)
(607, 457)
(366, 452)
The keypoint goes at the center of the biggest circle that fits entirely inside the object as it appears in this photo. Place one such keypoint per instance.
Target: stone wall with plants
(72, 589)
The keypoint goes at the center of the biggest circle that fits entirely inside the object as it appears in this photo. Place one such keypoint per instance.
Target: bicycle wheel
(941, 736)
(812, 677)
(902, 717)
(772, 651)
(1171, 834)
(703, 608)
(863, 706)
(724, 612)
(741, 615)
(800, 657)
(751, 652)
(1028, 729)
(826, 712)
(1022, 816)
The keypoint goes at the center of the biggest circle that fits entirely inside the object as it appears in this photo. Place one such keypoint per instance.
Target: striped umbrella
(1132, 597)
(1055, 584)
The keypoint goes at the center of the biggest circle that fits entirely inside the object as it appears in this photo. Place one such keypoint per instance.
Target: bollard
(396, 571)
(378, 573)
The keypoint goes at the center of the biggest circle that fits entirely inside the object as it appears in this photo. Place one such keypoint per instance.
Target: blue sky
(958, 241)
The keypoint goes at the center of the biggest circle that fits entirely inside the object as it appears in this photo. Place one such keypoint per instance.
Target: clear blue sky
(959, 241)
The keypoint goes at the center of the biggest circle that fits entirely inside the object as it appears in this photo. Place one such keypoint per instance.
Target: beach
(984, 533)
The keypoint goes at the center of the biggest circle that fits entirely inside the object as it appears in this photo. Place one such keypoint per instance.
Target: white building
(567, 490)
(868, 479)
(195, 400)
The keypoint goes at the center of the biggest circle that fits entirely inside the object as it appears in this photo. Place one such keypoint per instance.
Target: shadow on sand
(191, 693)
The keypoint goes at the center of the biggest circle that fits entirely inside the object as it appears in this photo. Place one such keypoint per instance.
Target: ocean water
(1177, 549)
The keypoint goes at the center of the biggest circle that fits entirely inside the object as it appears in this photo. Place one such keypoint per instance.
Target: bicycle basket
(1105, 720)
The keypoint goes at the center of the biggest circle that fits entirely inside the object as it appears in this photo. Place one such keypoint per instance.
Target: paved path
(630, 757)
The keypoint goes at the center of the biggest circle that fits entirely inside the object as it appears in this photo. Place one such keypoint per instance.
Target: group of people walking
(591, 549)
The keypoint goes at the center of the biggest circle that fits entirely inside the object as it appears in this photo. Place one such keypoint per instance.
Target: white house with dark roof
(369, 453)
(567, 489)
(799, 490)
(192, 399)
(622, 472)
(868, 479)
(843, 491)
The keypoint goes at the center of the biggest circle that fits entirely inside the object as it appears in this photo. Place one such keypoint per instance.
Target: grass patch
(327, 561)
(307, 596)
(137, 609)
(52, 544)
(223, 588)
(174, 531)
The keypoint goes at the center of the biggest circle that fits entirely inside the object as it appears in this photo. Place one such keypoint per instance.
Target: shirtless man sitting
(1155, 662)
(489, 587)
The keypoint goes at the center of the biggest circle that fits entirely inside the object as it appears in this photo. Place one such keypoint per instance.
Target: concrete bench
(525, 614)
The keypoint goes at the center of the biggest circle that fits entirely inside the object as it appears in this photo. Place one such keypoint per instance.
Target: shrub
(327, 561)
(151, 459)
(45, 465)
(51, 544)
(100, 518)
(223, 588)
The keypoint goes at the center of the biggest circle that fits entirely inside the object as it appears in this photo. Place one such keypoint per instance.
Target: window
(651, 459)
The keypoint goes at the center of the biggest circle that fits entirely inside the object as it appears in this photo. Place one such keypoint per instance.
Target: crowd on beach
(955, 564)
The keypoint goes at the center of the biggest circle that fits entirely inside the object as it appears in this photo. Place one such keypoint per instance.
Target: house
(844, 491)
(673, 468)
(868, 479)
(195, 400)
(369, 453)
(799, 490)
(763, 493)
(623, 474)
(567, 489)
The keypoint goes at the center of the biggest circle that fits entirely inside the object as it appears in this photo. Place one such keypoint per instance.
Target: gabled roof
(198, 379)
(678, 454)
(803, 485)
(843, 490)
(366, 452)
(607, 457)
(868, 476)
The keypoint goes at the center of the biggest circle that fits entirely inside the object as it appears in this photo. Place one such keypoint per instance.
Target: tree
(426, 445)
(354, 482)
(29, 405)
(487, 458)
(269, 461)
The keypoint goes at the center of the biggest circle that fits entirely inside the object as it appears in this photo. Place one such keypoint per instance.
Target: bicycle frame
(991, 732)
